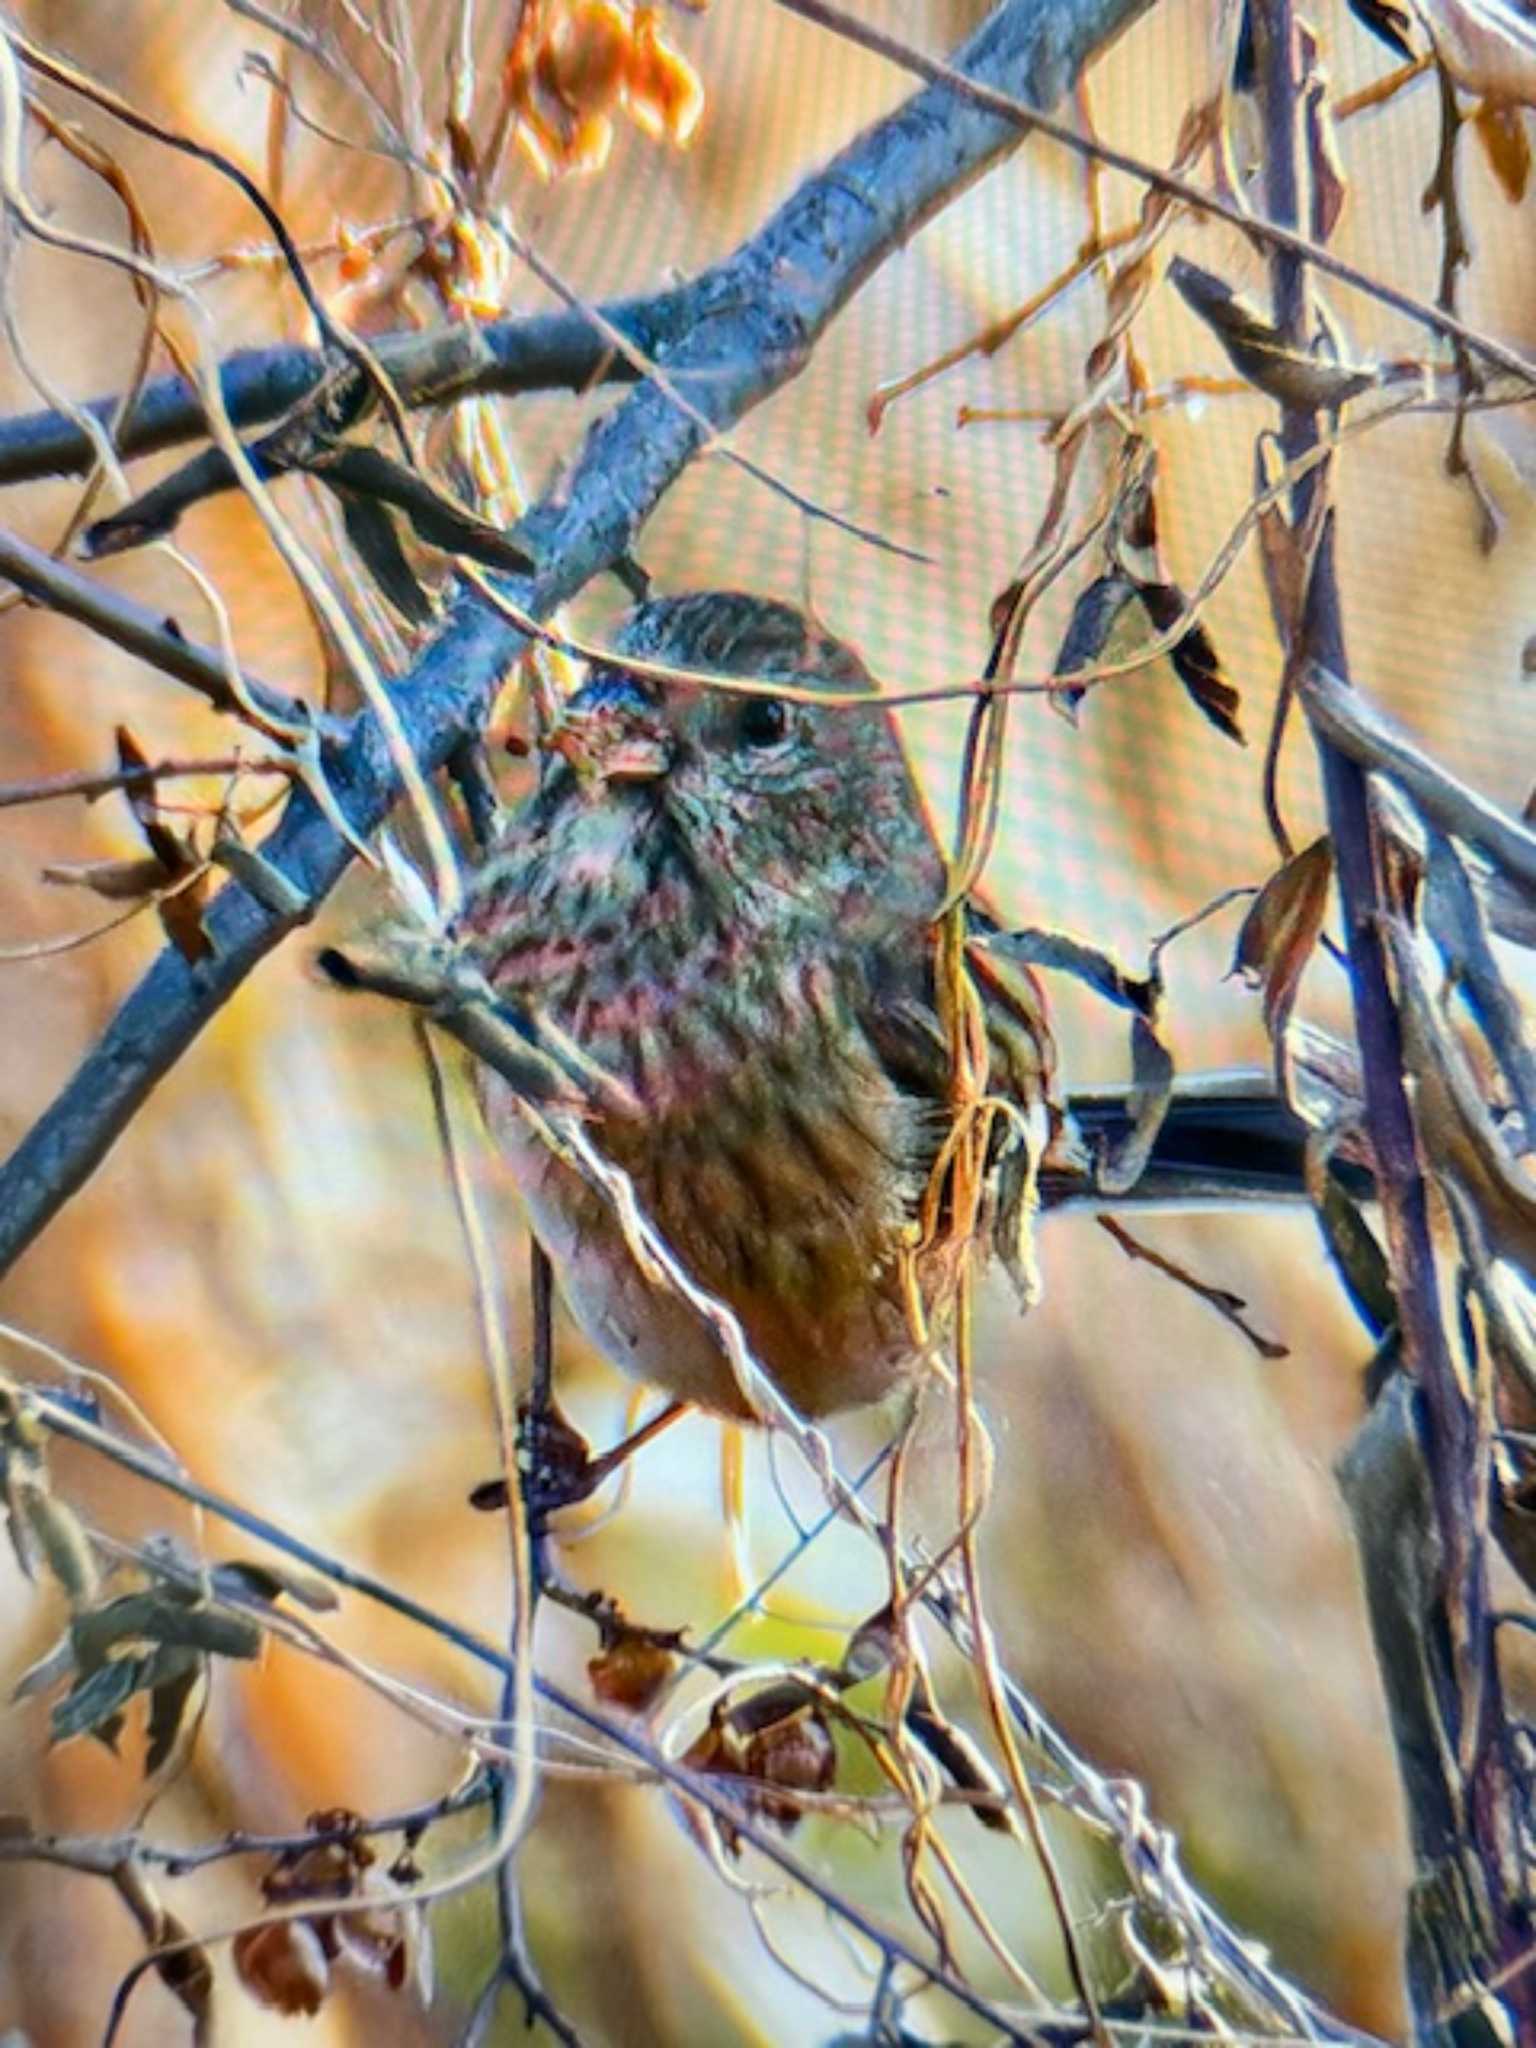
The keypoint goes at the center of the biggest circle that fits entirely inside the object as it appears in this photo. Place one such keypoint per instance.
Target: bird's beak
(608, 742)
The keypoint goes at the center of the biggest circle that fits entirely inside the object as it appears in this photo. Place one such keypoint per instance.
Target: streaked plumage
(726, 901)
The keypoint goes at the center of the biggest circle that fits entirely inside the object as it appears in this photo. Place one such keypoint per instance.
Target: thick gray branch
(546, 351)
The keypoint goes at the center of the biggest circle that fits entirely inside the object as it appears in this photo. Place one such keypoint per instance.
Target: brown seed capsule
(583, 59)
(284, 1967)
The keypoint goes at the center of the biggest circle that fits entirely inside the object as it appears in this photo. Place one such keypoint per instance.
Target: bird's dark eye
(763, 722)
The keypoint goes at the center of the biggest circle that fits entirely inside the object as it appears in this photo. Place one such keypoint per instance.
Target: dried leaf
(120, 881)
(1284, 565)
(1386, 21)
(388, 1940)
(1501, 130)
(261, 878)
(1461, 1142)
(354, 469)
(284, 1967)
(1511, 907)
(1327, 1087)
(155, 512)
(1258, 351)
(666, 97)
(872, 1648)
(1117, 1166)
(51, 1669)
(94, 1703)
(165, 1614)
(1194, 657)
(376, 542)
(1152, 1073)
(1359, 1257)
(181, 916)
(584, 55)
(796, 1754)
(187, 1973)
(60, 1536)
(1324, 162)
(270, 1582)
(169, 1698)
(1282, 928)
(1514, 1524)
(1097, 612)
(1454, 921)
(631, 1670)
(1032, 946)
(963, 1763)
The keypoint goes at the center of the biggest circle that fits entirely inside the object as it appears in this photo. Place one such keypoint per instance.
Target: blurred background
(269, 1260)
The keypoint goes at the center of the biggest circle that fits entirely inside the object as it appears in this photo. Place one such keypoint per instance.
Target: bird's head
(783, 802)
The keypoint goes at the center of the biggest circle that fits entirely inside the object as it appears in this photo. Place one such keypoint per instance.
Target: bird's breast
(780, 1163)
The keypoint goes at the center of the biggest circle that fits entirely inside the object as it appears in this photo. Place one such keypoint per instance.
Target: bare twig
(159, 641)
(1226, 1304)
(91, 783)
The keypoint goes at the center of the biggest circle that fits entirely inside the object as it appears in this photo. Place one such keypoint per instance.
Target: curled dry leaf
(631, 1668)
(187, 1973)
(59, 1535)
(1284, 565)
(1281, 929)
(1119, 1167)
(180, 911)
(1099, 609)
(666, 98)
(1258, 351)
(1386, 21)
(156, 1640)
(1324, 163)
(1361, 1262)
(40, 1526)
(1195, 660)
(170, 870)
(769, 1740)
(387, 1939)
(1461, 1141)
(1328, 1089)
(1453, 918)
(793, 1755)
(284, 1967)
(170, 1703)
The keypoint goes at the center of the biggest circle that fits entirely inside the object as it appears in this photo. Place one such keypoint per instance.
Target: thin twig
(157, 640)
(1226, 1304)
(92, 783)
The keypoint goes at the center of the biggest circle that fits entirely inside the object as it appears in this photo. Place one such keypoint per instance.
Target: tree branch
(544, 352)
(753, 322)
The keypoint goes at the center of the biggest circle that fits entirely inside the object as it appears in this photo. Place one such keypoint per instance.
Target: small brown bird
(727, 902)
